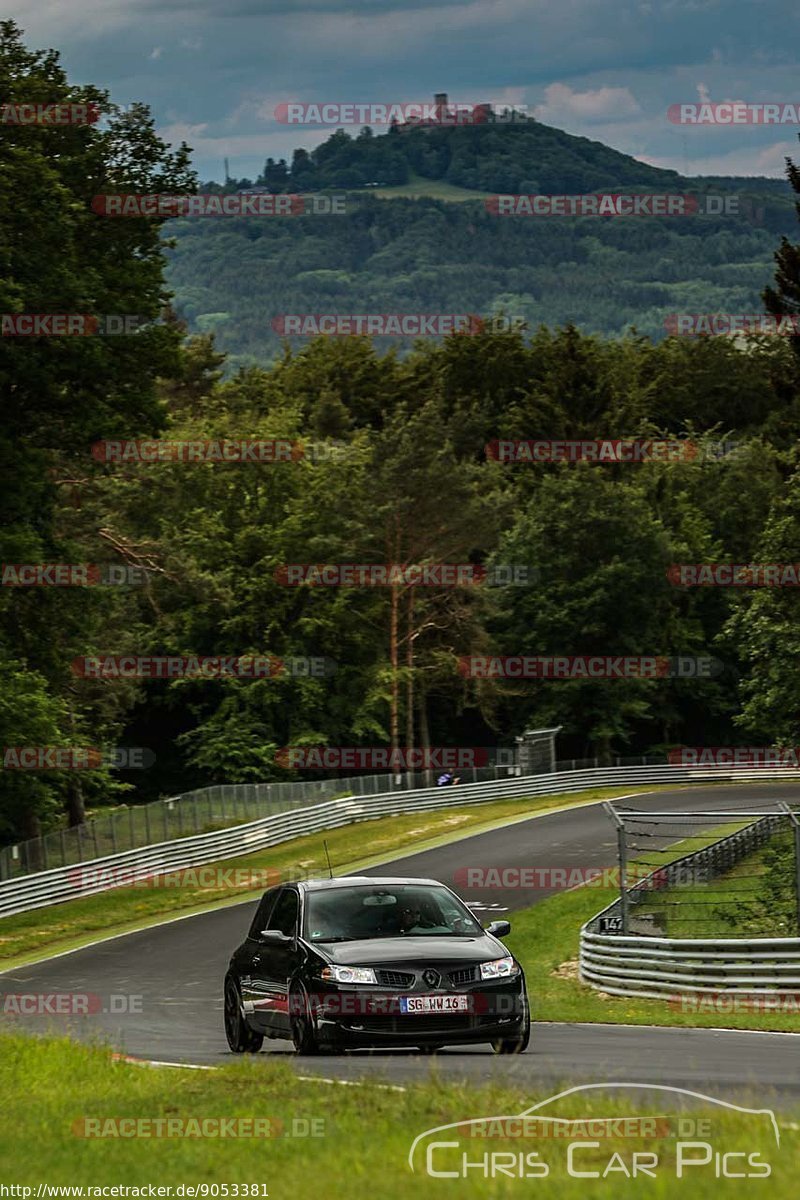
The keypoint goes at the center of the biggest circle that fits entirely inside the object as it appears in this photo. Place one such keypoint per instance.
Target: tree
(61, 393)
(784, 298)
(766, 633)
(601, 556)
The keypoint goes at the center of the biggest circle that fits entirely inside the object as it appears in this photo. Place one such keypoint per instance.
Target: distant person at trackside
(446, 780)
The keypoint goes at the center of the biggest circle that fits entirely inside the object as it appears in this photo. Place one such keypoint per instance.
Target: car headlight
(349, 974)
(499, 968)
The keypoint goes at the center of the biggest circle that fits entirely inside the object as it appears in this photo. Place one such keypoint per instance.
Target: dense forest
(403, 476)
(237, 277)
(445, 250)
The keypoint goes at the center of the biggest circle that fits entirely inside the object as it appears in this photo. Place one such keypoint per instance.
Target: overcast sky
(213, 71)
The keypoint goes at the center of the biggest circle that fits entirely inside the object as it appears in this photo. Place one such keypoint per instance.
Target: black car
(356, 961)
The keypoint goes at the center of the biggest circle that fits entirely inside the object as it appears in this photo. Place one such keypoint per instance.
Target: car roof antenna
(327, 855)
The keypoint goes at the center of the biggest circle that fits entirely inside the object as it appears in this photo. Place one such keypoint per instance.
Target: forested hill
(518, 156)
(407, 247)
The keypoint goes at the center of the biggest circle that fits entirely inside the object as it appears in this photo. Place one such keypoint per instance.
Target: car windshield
(402, 910)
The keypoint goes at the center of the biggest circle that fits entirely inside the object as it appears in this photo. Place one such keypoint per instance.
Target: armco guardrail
(661, 968)
(665, 968)
(99, 874)
(208, 809)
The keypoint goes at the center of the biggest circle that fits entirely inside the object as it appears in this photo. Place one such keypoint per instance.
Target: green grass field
(56, 1092)
(436, 189)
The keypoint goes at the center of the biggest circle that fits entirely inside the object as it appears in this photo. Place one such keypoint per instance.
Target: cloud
(608, 71)
(603, 104)
(743, 160)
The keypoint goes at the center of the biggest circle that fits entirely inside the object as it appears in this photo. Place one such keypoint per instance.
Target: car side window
(285, 913)
(263, 912)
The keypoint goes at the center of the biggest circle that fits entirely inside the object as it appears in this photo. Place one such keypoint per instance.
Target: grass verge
(545, 939)
(29, 936)
(364, 1133)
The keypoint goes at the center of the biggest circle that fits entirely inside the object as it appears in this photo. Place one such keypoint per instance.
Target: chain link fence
(221, 806)
(701, 875)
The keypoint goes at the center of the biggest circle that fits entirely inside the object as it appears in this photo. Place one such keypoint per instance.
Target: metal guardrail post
(622, 861)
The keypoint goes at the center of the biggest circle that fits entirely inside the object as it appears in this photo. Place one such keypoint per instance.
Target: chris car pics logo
(670, 1142)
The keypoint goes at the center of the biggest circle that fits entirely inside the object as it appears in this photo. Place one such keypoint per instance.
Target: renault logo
(431, 978)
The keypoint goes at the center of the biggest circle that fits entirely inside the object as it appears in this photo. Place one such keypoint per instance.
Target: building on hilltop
(445, 116)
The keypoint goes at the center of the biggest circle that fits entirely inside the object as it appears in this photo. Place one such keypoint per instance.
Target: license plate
(434, 1004)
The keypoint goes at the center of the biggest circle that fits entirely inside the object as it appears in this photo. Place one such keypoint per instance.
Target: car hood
(395, 950)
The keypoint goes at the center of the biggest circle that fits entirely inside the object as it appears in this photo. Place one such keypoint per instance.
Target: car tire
(516, 1044)
(241, 1038)
(301, 1022)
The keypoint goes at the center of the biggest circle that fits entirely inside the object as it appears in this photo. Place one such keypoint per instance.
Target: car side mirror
(499, 928)
(275, 937)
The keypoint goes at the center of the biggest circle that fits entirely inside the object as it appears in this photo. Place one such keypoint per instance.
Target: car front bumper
(372, 1017)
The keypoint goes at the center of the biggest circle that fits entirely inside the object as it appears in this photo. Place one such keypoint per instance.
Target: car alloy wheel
(241, 1038)
(301, 1021)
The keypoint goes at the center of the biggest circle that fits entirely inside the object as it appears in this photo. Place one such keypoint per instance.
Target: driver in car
(409, 919)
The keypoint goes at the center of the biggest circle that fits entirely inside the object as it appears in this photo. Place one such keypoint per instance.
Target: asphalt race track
(177, 969)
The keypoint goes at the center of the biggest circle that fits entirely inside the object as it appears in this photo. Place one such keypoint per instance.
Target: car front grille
(407, 979)
(464, 975)
(399, 979)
